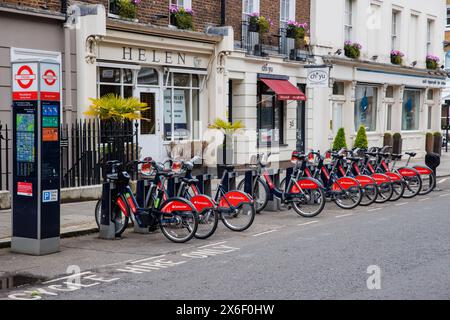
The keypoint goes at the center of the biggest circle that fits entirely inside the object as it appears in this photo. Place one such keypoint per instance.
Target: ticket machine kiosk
(36, 157)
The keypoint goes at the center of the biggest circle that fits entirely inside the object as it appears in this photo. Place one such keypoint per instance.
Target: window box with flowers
(432, 62)
(124, 9)
(352, 49)
(296, 30)
(181, 18)
(258, 23)
(397, 57)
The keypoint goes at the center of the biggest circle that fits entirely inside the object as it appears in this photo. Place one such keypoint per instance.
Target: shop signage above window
(153, 56)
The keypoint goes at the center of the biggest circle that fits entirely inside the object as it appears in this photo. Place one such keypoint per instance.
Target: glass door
(150, 136)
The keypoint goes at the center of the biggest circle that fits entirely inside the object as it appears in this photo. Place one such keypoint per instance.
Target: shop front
(383, 99)
(169, 74)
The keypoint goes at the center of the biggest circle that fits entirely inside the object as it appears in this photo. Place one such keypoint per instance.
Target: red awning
(284, 89)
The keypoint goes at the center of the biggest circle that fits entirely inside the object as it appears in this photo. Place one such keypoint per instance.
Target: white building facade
(370, 90)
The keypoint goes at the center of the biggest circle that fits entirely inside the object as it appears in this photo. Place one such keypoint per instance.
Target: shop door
(150, 136)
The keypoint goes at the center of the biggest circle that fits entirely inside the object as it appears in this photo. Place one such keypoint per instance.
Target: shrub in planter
(352, 50)
(361, 139)
(181, 18)
(437, 143)
(258, 23)
(339, 141)
(432, 62)
(296, 30)
(429, 142)
(127, 9)
(397, 57)
(387, 139)
(397, 143)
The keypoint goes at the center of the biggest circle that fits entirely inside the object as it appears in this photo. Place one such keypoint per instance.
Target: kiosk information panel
(36, 152)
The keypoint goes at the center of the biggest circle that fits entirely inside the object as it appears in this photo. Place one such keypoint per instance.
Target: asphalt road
(283, 256)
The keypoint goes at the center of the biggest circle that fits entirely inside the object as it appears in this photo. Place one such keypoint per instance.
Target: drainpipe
(222, 12)
(64, 6)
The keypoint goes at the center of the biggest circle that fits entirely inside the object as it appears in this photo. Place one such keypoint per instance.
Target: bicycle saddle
(396, 156)
(412, 154)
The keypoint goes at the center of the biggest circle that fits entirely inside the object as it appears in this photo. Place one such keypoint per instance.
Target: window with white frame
(430, 117)
(395, 28)
(448, 16)
(249, 7)
(348, 19)
(287, 10)
(389, 117)
(187, 4)
(430, 26)
(118, 81)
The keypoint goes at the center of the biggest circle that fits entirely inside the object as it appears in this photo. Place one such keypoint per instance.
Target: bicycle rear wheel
(178, 220)
(428, 184)
(349, 199)
(385, 192)
(397, 190)
(241, 218)
(312, 203)
(413, 185)
(207, 223)
(370, 194)
(119, 218)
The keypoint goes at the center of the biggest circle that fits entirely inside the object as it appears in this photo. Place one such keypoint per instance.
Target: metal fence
(5, 161)
(88, 144)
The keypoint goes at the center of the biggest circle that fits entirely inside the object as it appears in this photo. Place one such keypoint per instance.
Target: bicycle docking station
(204, 183)
(229, 181)
(107, 228)
(274, 204)
(142, 187)
(36, 118)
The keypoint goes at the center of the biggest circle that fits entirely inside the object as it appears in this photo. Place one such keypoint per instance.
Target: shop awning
(284, 89)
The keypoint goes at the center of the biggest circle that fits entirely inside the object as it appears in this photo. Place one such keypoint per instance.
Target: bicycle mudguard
(407, 172)
(177, 204)
(202, 202)
(235, 198)
(365, 180)
(381, 178)
(344, 183)
(305, 183)
(393, 176)
(423, 170)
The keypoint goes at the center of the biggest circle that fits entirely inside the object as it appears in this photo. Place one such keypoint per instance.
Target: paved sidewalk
(75, 217)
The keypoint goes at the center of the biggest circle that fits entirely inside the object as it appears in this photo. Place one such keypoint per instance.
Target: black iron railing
(292, 49)
(5, 161)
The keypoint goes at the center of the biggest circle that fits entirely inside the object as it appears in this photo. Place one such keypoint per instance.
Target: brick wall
(54, 5)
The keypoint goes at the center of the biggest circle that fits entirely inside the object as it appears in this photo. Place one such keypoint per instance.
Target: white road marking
(260, 234)
(212, 244)
(401, 204)
(116, 263)
(375, 209)
(442, 180)
(424, 199)
(445, 195)
(76, 275)
(344, 215)
(306, 223)
(146, 259)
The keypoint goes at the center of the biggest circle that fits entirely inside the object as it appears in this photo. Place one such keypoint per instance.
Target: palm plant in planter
(181, 18)
(397, 57)
(226, 150)
(352, 49)
(432, 62)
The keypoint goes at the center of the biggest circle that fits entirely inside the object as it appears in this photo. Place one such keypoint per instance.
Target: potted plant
(361, 139)
(397, 143)
(253, 25)
(397, 57)
(437, 143)
(181, 18)
(339, 141)
(127, 9)
(225, 152)
(387, 139)
(429, 142)
(296, 30)
(263, 26)
(432, 62)
(352, 50)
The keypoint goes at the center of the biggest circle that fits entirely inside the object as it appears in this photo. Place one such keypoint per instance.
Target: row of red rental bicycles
(181, 217)
(347, 177)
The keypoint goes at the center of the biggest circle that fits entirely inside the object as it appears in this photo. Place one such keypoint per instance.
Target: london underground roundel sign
(49, 77)
(25, 77)
(24, 81)
(49, 82)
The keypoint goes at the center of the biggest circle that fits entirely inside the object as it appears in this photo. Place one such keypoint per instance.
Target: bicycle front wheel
(178, 221)
(239, 219)
(260, 193)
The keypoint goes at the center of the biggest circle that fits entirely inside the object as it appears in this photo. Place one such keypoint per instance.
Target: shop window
(147, 76)
(109, 75)
(338, 88)
(430, 117)
(115, 80)
(411, 109)
(389, 118)
(270, 121)
(366, 107)
(390, 92)
(181, 108)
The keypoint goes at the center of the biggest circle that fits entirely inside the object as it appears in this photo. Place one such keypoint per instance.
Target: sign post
(36, 157)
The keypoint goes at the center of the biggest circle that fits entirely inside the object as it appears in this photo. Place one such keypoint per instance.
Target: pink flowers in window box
(397, 57)
(352, 49)
(432, 61)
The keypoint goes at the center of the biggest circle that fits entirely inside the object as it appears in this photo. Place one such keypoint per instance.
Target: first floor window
(366, 107)
(181, 107)
(411, 109)
(389, 117)
(270, 117)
